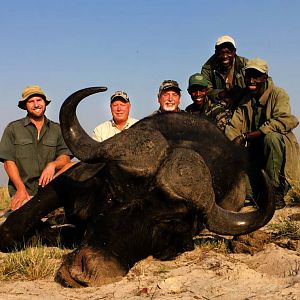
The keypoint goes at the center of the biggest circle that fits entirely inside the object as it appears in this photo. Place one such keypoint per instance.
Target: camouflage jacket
(216, 112)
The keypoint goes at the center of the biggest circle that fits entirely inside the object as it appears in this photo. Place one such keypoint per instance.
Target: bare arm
(50, 169)
(21, 196)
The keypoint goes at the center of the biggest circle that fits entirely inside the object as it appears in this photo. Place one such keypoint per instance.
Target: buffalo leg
(21, 221)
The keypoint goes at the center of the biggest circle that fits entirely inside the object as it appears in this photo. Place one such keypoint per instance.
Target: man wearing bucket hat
(169, 94)
(263, 122)
(120, 108)
(32, 148)
(198, 89)
(225, 71)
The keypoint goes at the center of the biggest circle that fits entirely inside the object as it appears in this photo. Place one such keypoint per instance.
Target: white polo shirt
(109, 128)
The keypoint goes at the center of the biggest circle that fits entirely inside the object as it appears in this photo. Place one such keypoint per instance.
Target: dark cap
(168, 85)
(119, 95)
(198, 79)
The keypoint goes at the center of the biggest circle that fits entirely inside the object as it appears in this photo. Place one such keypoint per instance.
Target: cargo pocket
(24, 148)
(49, 150)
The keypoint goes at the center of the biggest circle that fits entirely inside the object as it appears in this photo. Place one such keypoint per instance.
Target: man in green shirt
(32, 148)
(263, 122)
(198, 89)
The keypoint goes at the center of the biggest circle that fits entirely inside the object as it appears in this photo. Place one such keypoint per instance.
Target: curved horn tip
(101, 88)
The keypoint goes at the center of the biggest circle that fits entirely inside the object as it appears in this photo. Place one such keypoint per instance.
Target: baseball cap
(169, 84)
(30, 91)
(119, 95)
(198, 79)
(257, 64)
(225, 39)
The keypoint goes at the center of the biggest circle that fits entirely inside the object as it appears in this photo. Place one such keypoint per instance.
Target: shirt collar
(115, 125)
(27, 121)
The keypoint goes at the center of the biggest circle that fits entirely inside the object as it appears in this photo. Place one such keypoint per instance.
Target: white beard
(169, 107)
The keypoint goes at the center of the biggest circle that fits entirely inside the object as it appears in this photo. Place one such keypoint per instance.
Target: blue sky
(66, 45)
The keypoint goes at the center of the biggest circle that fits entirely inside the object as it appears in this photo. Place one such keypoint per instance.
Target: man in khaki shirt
(120, 108)
(264, 124)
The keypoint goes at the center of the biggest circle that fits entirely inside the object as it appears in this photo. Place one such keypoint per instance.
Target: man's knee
(274, 139)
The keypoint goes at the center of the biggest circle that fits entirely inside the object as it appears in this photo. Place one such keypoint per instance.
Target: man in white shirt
(120, 108)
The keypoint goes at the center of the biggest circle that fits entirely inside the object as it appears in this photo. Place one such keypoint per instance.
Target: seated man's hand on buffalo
(19, 198)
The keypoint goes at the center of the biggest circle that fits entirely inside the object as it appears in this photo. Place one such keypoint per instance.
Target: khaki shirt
(109, 128)
(19, 143)
(276, 116)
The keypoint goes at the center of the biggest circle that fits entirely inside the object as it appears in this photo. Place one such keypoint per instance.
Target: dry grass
(34, 262)
(4, 198)
(285, 228)
(293, 196)
(214, 242)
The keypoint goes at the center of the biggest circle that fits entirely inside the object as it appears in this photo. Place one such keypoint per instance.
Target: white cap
(225, 39)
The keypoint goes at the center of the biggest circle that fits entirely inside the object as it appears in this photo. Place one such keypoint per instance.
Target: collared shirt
(217, 82)
(109, 128)
(216, 112)
(274, 115)
(20, 143)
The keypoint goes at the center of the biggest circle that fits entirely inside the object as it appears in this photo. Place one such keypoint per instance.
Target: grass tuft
(293, 196)
(285, 228)
(214, 243)
(4, 198)
(34, 262)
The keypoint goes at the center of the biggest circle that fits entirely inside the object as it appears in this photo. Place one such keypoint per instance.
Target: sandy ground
(273, 273)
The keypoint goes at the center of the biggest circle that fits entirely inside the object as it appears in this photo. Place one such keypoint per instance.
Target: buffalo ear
(83, 171)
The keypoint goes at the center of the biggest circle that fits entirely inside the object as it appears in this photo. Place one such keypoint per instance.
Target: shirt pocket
(24, 148)
(49, 149)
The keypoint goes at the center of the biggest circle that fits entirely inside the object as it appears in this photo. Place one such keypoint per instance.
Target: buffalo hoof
(89, 267)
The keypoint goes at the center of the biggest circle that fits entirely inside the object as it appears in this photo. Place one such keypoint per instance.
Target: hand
(19, 198)
(253, 135)
(47, 174)
(241, 140)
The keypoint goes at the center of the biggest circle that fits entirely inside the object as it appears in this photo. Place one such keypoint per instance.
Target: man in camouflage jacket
(202, 104)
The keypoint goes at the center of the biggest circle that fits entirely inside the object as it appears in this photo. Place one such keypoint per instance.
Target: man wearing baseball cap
(169, 94)
(263, 122)
(32, 148)
(198, 89)
(120, 108)
(225, 72)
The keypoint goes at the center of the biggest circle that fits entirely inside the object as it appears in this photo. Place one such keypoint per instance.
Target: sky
(133, 45)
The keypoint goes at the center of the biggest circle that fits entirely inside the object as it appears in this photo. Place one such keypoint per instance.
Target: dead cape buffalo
(146, 191)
